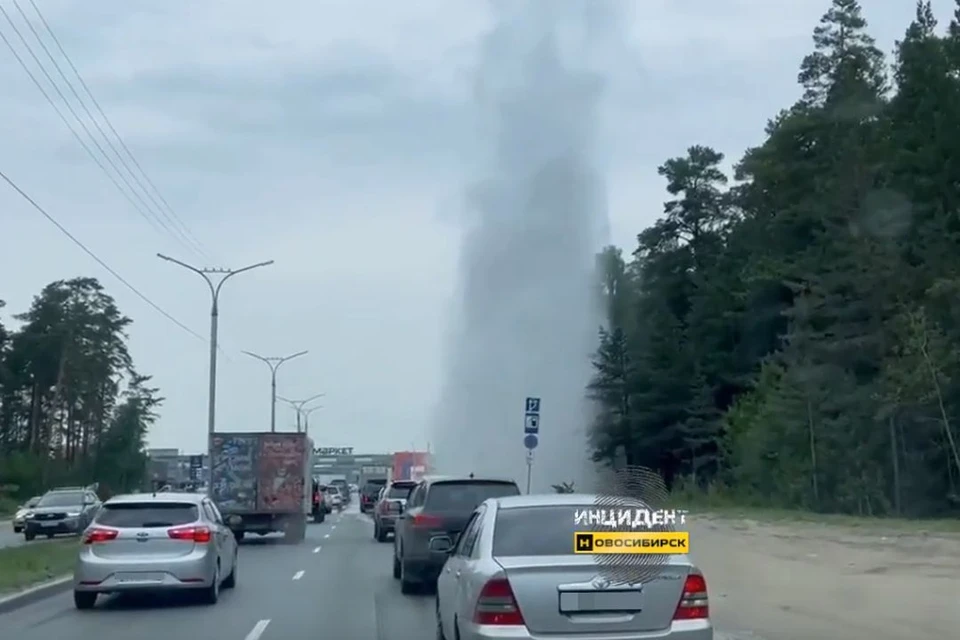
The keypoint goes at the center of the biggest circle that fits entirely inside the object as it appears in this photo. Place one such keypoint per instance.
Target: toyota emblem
(600, 583)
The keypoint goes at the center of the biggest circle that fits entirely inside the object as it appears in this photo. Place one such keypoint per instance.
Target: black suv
(369, 493)
(437, 506)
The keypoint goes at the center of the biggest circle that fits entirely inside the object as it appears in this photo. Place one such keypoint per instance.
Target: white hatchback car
(155, 542)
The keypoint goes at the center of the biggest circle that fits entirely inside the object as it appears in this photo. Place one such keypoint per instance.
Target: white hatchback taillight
(693, 601)
(98, 535)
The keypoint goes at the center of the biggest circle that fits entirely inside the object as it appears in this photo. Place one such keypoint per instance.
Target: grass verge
(35, 562)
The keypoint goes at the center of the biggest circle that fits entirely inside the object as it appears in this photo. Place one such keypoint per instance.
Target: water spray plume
(528, 314)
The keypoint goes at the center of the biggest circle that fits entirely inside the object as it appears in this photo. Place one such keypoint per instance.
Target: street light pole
(306, 419)
(299, 404)
(274, 363)
(214, 329)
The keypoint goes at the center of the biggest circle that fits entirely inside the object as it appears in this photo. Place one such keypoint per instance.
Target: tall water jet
(528, 312)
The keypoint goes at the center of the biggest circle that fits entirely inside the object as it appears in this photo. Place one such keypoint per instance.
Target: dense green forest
(789, 335)
(73, 410)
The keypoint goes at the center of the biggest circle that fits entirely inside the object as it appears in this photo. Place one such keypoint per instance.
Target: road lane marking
(316, 550)
(257, 630)
(326, 535)
(298, 575)
(333, 527)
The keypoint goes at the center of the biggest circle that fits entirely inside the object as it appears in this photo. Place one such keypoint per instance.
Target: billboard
(410, 465)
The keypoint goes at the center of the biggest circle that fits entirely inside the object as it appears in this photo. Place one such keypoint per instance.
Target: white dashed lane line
(317, 549)
(298, 575)
(326, 535)
(257, 630)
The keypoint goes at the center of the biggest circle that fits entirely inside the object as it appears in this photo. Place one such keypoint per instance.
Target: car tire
(29, 536)
(84, 600)
(17, 529)
(211, 595)
(231, 581)
(376, 530)
(396, 566)
(381, 535)
(407, 587)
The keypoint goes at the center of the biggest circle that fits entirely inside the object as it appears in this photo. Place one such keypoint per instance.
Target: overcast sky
(334, 137)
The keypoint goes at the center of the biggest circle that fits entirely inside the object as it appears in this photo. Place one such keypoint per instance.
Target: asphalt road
(337, 584)
(10, 539)
(7, 537)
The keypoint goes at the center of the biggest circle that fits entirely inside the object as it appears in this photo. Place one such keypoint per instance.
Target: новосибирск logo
(629, 530)
(632, 542)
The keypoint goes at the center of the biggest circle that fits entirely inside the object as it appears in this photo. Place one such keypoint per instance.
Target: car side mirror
(441, 544)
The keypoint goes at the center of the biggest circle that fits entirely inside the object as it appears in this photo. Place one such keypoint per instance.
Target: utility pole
(299, 404)
(274, 363)
(206, 274)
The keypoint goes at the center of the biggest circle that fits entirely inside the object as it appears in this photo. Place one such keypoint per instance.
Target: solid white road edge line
(298, 575)
(257, 630)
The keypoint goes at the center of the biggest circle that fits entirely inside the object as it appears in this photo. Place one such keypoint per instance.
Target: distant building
(169, 466)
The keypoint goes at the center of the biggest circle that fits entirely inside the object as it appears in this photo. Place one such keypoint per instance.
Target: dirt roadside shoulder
(801, 579)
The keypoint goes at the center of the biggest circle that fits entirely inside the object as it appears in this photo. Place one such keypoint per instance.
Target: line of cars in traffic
(329, 497)
(502, 565)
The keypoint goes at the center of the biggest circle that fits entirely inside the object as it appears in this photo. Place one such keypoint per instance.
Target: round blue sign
(530, 441)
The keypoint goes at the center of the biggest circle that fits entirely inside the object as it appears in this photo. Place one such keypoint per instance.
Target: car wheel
(84, 599)
(29, 535)
(231, 580)
(17, 529)
(406, 585)
(211, 594)
(396, 565)
(381, 535)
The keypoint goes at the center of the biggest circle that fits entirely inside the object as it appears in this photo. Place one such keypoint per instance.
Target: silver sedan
(156, 542)
(21, 515)
(512, 573)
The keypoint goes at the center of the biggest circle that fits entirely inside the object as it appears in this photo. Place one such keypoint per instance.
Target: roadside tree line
(789, 335)
(73, 409)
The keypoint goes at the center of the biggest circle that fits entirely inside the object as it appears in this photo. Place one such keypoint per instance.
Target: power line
(154, 221)
(90, 253)
(156, 197)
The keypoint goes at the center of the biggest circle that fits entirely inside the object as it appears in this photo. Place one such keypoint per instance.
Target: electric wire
(156, 197)
(159, 225)
(95, 257)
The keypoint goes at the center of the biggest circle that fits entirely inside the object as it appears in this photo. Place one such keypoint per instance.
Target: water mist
(528, 316)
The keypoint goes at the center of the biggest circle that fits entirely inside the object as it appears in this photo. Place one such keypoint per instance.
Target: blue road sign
(530, 441)
(531, 423)
(533, 405)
